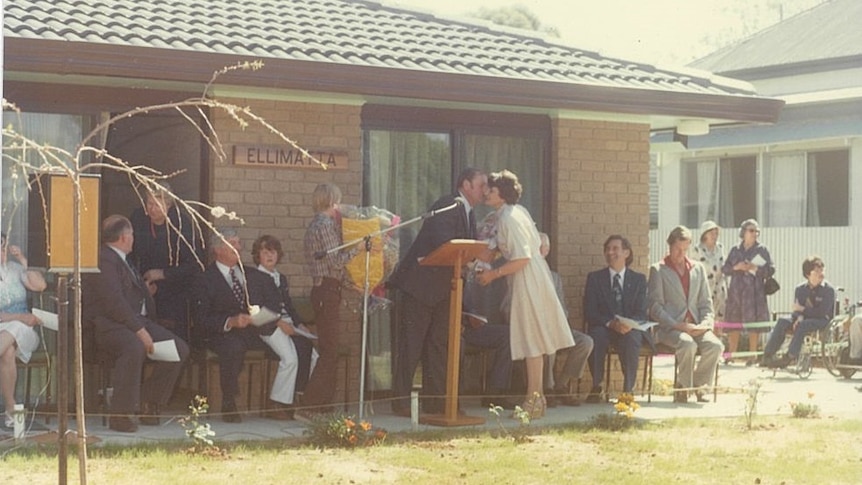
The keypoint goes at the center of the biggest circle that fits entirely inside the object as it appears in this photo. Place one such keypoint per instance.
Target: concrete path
(836, 397)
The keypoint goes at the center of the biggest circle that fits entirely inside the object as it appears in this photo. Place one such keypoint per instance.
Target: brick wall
(277, 201)
(601, 172)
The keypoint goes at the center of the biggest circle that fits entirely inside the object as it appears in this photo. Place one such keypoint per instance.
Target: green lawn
(778, 450)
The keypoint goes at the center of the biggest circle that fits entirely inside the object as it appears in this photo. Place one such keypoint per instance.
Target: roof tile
(360, 32)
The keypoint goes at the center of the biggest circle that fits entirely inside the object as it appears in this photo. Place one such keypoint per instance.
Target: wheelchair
(836, 343)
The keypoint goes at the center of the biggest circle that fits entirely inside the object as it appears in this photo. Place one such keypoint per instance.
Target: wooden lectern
(454, 253)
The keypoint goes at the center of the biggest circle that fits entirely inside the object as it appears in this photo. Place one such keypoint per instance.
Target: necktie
(471, 221)
(236, 286)
(134, 271)
(618, 295)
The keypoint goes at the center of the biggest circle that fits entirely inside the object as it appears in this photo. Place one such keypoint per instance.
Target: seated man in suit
(224, 295)
(813, 307)
(679, 300)
(615, 290)
(119, 307)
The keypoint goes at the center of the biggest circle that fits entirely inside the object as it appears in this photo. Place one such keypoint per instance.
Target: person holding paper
(18, 337)
(813, 308)
(295, 351)
(679, 300)
(119, 308)
(747, 266)
(423, 331)
(610, 293)
(225, 296)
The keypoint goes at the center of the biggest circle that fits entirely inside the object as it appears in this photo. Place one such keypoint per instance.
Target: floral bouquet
(359, 222)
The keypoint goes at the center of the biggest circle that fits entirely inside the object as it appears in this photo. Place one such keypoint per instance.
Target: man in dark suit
(119, 307)
(615, 290)
(424, 328)
(224, 294)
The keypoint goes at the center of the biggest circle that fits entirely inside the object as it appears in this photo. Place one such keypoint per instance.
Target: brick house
(407, 98)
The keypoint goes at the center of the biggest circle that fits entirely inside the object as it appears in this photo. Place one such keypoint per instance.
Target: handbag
(770, 286)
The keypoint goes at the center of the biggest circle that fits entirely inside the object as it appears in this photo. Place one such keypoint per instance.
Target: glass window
(723, 190)
(411, 157)
(60, 131)
(807, 189)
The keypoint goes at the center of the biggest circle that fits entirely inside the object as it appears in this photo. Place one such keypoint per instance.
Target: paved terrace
(837, 397)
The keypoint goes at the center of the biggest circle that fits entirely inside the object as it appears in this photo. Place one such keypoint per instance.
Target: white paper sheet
(263, 316)
(634, 324)
(49, 320)
(165, 351)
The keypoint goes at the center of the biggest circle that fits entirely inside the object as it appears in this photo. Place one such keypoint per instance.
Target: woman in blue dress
(18, 338)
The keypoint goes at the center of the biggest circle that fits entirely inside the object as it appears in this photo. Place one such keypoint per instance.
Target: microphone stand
(366, 290)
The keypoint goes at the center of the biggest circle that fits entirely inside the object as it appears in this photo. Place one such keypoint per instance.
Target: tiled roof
(829, 31)
(357, 33)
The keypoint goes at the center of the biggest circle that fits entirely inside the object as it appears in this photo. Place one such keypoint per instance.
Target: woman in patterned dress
(711, 254)
(748, 265)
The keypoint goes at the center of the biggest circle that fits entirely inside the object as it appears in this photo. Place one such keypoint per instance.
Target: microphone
(432, 213)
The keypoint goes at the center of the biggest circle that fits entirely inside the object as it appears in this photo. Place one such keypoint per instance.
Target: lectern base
(443, 420)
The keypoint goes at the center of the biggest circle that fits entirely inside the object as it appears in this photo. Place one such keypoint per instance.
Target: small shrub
(752, 395)
(338, 430)
(805, 409)
(621, 420)
(199, 430)
(521, 434)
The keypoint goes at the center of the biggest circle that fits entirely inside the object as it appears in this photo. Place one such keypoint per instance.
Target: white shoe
(9, 421)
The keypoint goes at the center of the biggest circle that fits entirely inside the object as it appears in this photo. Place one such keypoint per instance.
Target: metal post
(62, 373)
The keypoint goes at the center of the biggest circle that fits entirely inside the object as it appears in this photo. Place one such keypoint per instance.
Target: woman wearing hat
(710, 253)
(747, 265)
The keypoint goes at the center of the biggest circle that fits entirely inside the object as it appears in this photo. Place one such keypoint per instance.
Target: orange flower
(365, 425)
(352, 439)
(349, 422)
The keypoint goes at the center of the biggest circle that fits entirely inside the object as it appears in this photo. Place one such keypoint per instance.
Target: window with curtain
(719, 189)
(411, 158)
(57, 130)
(807, 189)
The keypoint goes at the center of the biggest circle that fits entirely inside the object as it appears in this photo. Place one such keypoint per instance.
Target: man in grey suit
(679, 300)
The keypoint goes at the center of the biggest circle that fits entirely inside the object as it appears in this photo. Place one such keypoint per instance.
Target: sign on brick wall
(276, 156)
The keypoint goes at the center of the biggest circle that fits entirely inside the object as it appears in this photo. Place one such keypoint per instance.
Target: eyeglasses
(751, 229)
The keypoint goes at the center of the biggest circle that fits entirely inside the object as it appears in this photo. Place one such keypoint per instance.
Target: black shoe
(701, 396)
(766, 361)
(568, 400)
(123, 424)
(230, 413)
(782, 363)
(680, 397)
(149, 414)
(595, 395)
(280, 412)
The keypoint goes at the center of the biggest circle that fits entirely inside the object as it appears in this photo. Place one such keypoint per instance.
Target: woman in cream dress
(537, 321)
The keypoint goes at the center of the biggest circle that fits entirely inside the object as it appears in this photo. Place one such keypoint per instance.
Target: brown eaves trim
(75, 58)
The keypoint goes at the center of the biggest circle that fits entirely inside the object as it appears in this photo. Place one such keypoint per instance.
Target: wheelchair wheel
(844, 357)
(803, 366)
(831, 349)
